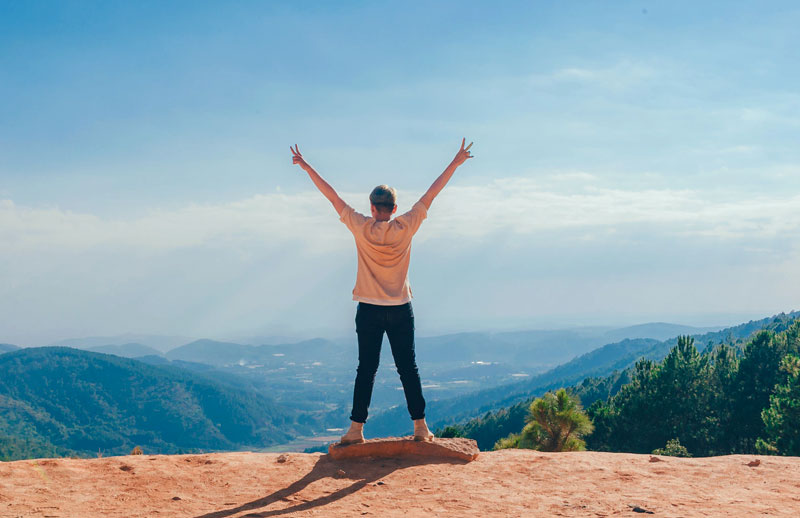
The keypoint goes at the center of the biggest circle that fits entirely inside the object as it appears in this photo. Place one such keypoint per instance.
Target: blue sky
(634, 161)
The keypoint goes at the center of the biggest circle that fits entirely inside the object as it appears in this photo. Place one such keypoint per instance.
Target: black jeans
(398, 323)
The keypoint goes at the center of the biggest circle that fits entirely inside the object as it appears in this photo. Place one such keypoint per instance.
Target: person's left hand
(297, 158)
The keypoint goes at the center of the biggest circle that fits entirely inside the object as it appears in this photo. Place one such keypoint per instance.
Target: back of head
(384, 198)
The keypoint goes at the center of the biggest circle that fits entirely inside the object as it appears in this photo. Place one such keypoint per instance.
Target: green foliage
(663, 401)
(473, 408)
(591, 390)
(720, 400)
(696, 397)
(684, 397)
(15, 448)
(449, 432)
(512, 441)
(492, 426)
(758, 373)
(782, 417)
(79, 401)
(711, 402)
(673, 449)
(556, 422)
(322, 448)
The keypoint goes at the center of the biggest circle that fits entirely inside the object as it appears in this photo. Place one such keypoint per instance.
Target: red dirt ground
(502, 483)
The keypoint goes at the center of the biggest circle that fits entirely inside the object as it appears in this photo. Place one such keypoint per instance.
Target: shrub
(673, 449)
(556, 422)
(450, 431)
(512, 441)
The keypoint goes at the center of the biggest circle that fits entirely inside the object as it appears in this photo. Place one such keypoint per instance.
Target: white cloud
(781, 112)
(269, 217)
(737, 150)
(561, 201)
(525, 206)
(273, 259)
(616, 76)
(573, 177)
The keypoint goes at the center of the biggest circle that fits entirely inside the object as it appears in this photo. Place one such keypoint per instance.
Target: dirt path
(504, 483)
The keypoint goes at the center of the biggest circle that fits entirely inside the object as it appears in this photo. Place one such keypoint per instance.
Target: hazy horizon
(634, 162)
(345, 334)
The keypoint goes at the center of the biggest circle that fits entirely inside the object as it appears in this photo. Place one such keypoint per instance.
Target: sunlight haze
(634, 162)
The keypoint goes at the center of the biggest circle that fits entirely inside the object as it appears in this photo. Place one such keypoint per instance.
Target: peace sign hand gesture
(463, 153)
(297, 158)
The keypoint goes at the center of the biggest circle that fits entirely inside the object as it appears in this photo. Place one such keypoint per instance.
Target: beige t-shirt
(384, 251)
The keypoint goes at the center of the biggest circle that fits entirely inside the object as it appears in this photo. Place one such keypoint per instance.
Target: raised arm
(437, 186)
(323, 186)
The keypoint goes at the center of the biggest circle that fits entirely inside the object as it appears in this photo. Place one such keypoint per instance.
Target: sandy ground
(504, 483)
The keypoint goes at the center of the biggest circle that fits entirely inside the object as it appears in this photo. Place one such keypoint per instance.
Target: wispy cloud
(525, 206)
(210, 269)
(614, 76)
(566, 201)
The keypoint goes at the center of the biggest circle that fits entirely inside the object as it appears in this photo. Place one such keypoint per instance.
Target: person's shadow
(363, 471)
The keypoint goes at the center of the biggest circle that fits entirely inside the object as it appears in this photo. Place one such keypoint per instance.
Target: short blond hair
(384, 198)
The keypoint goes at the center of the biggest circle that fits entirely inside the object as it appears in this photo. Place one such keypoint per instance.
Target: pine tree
(782, 418)
(759, 372)
(721, 391)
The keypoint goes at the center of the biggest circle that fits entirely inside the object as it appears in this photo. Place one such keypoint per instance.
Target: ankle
(354, 435)
(421, 431)
(420, 425)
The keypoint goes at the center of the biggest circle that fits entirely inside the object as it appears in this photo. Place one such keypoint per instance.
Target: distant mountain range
(130, 350)
(542, 348)
(316, 375)
(4, 348)
(161, 343)
(212, 395)
(87, 402)
(555, 343)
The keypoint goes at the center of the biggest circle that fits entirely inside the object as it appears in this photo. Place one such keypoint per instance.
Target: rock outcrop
(463, 449)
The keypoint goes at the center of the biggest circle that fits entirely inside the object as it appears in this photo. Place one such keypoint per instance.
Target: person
(382, 289)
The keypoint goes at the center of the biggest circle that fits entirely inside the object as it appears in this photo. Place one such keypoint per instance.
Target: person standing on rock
(382, 289)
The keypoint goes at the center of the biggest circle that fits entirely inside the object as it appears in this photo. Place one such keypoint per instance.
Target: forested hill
(4, 348)
(597, 363)
(711, 400)
(58, 399)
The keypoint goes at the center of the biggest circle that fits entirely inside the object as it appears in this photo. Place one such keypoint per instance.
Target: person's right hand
(297, 158)
(463, 153)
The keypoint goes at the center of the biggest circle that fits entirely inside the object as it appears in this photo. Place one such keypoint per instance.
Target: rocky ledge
(457, 448)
